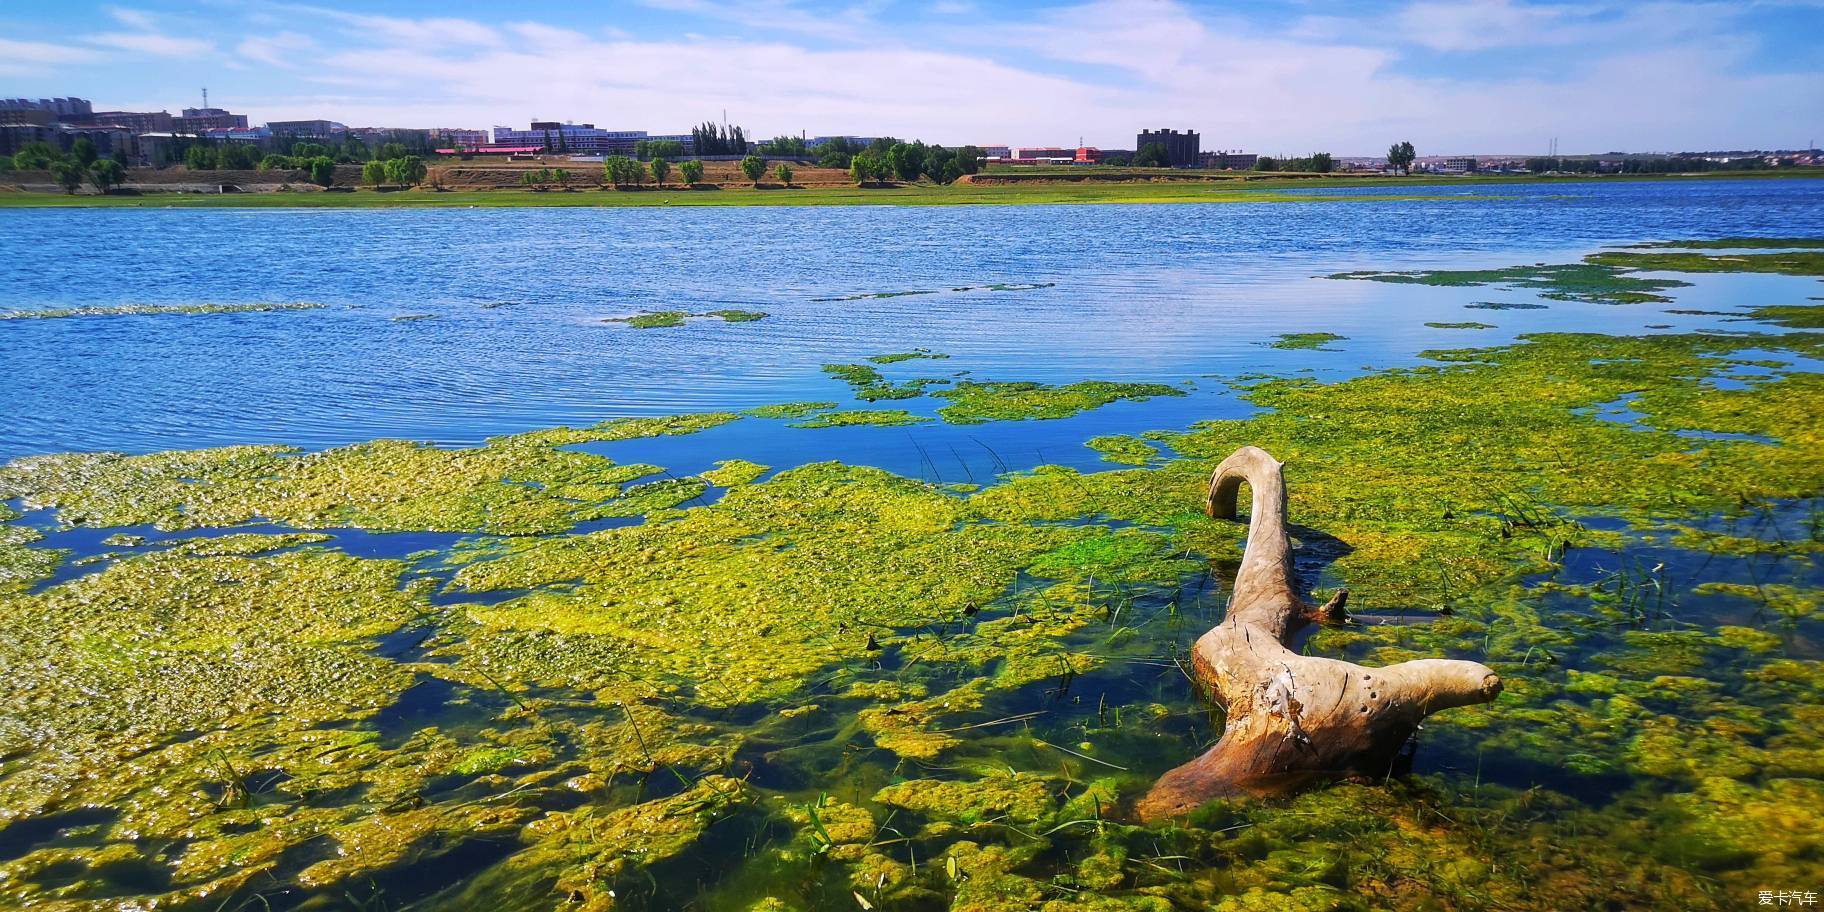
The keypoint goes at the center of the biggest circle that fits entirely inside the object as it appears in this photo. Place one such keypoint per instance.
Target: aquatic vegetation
(1797, 264)
(653, 320)
(839, 683)
(1505, 305)
(871, 386)
(896, 357)
(1124, 449)
(1596, 280)
(1736, 243)
(737, 316)
(1309, 340)
(135, 310)
(789, 409)
(1467, 325)
(518, 485)
(21, 564)
(974, 402)
(1797, 316)
(413, 318)
(660, 319)
(854, 417)
(731, 472)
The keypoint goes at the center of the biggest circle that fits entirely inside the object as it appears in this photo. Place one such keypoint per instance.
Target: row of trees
(714, 139)
(890, 159)
(69, 169)
(1316, 162)
(404, 171)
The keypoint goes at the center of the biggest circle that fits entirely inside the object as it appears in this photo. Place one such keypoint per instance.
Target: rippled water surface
(1135, 292)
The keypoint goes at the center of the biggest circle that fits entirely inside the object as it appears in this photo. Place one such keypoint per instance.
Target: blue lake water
(1136, 292)
(1187, 295)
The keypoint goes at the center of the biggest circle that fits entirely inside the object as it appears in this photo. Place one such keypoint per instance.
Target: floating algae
(1505, 305)
(1736, 243)
(659, 319)
(871, 386)
(1602, 283)
(854, 417)
(130, 310)
(896, 357)
(1314, 341)
(731, 472)
(1124, 449)
(789, 409)
(1467, 325)
(413, 318)
(841, 683)
(973, 402)
(653, 319)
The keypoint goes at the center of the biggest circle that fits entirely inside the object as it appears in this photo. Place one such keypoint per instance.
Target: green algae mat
(601, 685)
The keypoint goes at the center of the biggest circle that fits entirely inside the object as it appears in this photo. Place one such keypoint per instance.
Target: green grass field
(1241, 189)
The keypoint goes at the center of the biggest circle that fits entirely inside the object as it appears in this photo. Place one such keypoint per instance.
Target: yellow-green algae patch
(1593, 281)
(521, 484)
(620, 684)
(1312, 341)
(974, 402)
(789, 409)
(1123, 448)
(731, 472)
(854, 417)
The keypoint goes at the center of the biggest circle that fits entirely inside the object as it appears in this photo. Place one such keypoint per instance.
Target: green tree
(235, 157)
(783, 145)
(107, 174)
(969, 159)
(35, 156)
(373, 173)
(390, 151)
(323, 171)
(276, 162)
(560, 177)
(660, 170)
(867, 167)
(785, 174)
(6, 163)
(1400, 155)
(1266, 163)
(1152, 155)
(68, 174)
(83, 150)
(753, 166)
(649, 149)
(199, 158)
(691, 171)
(620, 170)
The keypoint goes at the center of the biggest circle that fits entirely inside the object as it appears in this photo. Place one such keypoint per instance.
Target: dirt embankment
(183, 180)
(1135, 176)
(510, 175)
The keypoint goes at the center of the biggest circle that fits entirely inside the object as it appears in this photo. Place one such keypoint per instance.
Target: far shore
(990, 189)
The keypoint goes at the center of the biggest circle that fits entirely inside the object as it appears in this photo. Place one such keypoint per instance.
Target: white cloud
(1100, 69)
(146, 38)
(280, 50)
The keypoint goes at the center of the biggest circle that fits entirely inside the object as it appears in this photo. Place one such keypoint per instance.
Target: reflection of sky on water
(1143, 292)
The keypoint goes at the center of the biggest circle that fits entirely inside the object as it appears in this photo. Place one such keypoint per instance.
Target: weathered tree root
(1295, 719)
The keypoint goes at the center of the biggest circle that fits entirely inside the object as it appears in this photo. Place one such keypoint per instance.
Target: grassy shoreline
(1239, 189)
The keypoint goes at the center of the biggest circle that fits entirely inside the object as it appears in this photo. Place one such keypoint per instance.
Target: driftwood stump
(1294, 719)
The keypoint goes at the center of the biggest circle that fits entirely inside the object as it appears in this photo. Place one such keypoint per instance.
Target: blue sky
(1491, 76)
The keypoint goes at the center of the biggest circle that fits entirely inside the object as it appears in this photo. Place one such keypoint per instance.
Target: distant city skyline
(1494, 76)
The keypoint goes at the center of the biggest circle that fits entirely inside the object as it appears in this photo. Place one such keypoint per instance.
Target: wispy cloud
(146, 38)
(280, 50)
(1270, 79)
